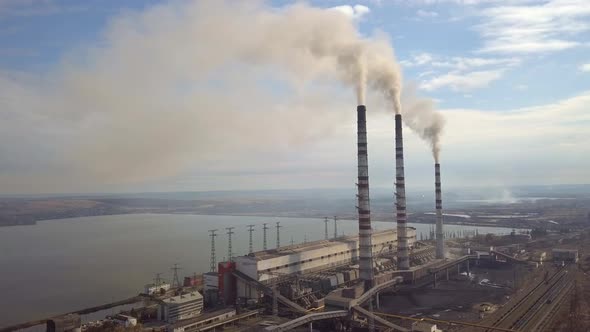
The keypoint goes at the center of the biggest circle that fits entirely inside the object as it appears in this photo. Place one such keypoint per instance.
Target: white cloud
(540, 144)
(426, 14)
(462, 81)
(585, 67)
(465, 63)
(463, 73)
(521, 87)
(355, 12)
(459, 63)
(535, 28)
(464, 2)
(418, 60)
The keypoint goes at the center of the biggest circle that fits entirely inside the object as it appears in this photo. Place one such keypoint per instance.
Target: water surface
(59, 266)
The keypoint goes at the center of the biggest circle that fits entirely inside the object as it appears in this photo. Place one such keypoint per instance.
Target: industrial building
(156, 288)
(66, 323)
(421, 326)
(196, 323)
(180, 307)
(565, 255)
(125, 320)
(310, 257)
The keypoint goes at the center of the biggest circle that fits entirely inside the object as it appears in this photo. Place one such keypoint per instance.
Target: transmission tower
(335, 227)
(250, 246)
(264, 228)
(278, 234)
(304, 238)
(158, 279)
(213, 263)
(175, 280)
(326, 228)
(292, 242)
(229, 248)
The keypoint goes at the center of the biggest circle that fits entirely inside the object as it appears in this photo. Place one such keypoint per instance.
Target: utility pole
(278, 234)
(335, 227)
(213, 262)
(326, 228)
(250, 246)
(175, 280)
(229, 248)
(264, 228)
(304, 238)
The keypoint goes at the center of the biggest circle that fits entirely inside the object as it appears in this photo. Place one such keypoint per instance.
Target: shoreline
(348, 218)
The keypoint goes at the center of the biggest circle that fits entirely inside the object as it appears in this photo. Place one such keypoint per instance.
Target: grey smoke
(422, 118)
(186, 84)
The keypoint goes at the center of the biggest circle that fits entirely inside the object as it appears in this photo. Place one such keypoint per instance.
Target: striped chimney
(365, 231)
(440, 246)
(403, 260)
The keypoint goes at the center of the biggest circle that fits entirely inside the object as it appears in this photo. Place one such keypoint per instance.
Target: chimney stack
(365, 231)
(403, 260)
(440, 246)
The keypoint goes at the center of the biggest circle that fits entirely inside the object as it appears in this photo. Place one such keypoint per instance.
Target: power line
(264, 228)
(250, 245)
(278, 234)
(229, 247)
(175, 280)
(158, 279)
(213, 262)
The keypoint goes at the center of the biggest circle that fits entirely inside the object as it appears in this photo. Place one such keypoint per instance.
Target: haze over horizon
(105, 96)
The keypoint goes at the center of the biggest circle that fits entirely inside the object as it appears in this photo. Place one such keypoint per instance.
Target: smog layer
(184, 84)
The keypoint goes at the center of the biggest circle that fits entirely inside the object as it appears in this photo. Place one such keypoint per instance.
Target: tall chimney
(440, 246)
(403, 260)
(365, 231)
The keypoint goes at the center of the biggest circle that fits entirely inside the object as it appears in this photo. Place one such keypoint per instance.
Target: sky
(131, 96)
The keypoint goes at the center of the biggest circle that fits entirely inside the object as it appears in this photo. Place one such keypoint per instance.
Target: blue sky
(505, 74)
(35, 34)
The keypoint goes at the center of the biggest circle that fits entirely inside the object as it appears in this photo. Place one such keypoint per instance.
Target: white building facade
(181, 307)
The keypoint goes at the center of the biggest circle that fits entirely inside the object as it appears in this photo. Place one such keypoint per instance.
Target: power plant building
(181, 307)
(156, 288)
(310, 257)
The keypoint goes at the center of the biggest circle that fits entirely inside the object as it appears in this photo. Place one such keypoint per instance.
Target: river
(59, 266)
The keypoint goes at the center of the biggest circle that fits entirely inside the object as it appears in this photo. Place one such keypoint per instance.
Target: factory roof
(202, 317)
(321, 244)
(183, 298)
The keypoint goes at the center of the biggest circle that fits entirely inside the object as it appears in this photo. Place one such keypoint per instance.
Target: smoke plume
(420, 116)
(185, 84)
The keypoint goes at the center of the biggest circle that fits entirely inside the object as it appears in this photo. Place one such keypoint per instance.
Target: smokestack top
(361, 113)
(398, 122)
